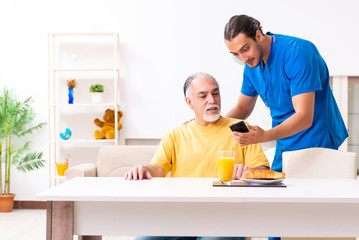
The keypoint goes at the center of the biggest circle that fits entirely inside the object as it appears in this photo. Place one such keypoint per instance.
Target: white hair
(187, 87)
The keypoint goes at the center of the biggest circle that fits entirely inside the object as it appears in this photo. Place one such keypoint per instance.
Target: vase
(61, 169)
(6, 202)
(97, 97)
(71, 95)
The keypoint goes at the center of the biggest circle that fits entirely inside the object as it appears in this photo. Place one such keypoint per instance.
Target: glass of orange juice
(225, 165)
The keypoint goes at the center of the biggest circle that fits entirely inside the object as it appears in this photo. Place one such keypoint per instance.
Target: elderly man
(190, 150)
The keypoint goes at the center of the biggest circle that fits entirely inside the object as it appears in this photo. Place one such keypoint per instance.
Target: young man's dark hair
(242, 24)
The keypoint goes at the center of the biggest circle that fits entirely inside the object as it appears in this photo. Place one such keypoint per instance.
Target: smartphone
(239, 127)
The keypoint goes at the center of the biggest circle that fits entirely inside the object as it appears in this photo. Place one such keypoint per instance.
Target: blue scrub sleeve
(303, 70)
(247, 86)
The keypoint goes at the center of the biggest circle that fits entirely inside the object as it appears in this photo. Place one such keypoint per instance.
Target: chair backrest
(115, 161)
(319, 163)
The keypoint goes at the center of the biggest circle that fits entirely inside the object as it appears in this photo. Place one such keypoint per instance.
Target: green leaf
(97, 88)
(16, 119)
(31, 162)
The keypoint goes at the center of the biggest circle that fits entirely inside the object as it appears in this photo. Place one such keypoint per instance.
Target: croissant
(263, 174)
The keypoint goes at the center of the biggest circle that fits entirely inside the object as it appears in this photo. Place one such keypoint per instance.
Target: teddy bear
(108, 125)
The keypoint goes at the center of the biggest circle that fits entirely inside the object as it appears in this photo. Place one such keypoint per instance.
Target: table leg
(60, 220)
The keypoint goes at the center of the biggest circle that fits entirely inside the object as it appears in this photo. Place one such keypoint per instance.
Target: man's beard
(260, 55)
(212, 118)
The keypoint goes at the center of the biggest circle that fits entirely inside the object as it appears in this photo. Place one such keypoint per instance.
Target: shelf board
(353, 114)
(84, 105)
(353, 144)
(84, 70)
(85, 141)
(84, 34)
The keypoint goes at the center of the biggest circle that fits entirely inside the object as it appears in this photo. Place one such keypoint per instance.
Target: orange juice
(61, 168)
(225, 166)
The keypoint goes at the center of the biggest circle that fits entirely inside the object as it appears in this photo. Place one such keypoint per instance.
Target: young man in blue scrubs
(292, 79)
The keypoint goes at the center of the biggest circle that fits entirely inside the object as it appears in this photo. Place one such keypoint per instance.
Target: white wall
(161, 42)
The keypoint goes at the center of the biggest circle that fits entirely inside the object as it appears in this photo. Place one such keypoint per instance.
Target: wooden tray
(245, 184)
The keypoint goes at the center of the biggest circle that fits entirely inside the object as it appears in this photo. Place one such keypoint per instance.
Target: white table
(193, 207)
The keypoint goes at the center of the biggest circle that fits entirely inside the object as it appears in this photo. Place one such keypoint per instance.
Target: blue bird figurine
(66, 135)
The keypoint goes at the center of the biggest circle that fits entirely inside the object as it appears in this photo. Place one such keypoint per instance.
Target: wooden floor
(23, 224)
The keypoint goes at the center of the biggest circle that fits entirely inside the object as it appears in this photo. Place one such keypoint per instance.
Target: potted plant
(97, 92)
(15, 123)
(71, 84)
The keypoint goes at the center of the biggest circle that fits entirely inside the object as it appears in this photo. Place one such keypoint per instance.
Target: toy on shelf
(108, 125)
(66, 135)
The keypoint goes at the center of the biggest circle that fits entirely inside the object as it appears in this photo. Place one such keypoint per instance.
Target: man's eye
(215, 94)
(202, 96)
(244, 49)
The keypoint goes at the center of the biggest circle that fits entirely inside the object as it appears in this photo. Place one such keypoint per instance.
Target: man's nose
(211, 99)
(243, 58)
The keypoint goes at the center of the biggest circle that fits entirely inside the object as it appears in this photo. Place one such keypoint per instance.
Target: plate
(262, 181)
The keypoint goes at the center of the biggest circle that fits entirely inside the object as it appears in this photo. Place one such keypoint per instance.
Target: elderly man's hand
(240, 170)
(138, 172)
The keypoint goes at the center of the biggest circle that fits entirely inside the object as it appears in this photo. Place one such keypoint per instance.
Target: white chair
(319, 163)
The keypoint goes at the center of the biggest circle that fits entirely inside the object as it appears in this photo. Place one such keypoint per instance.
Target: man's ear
(259, 36)
(189, 102)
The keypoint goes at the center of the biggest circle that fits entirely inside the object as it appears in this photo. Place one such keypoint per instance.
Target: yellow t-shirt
(190, 150)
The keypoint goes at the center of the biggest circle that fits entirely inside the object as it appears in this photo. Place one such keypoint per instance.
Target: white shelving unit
(346, 93)
(90, 58)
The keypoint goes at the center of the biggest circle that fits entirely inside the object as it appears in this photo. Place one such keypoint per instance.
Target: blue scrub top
(294, 67)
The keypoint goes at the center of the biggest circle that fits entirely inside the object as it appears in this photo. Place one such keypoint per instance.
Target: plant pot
(97, 97)
(6, 202)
